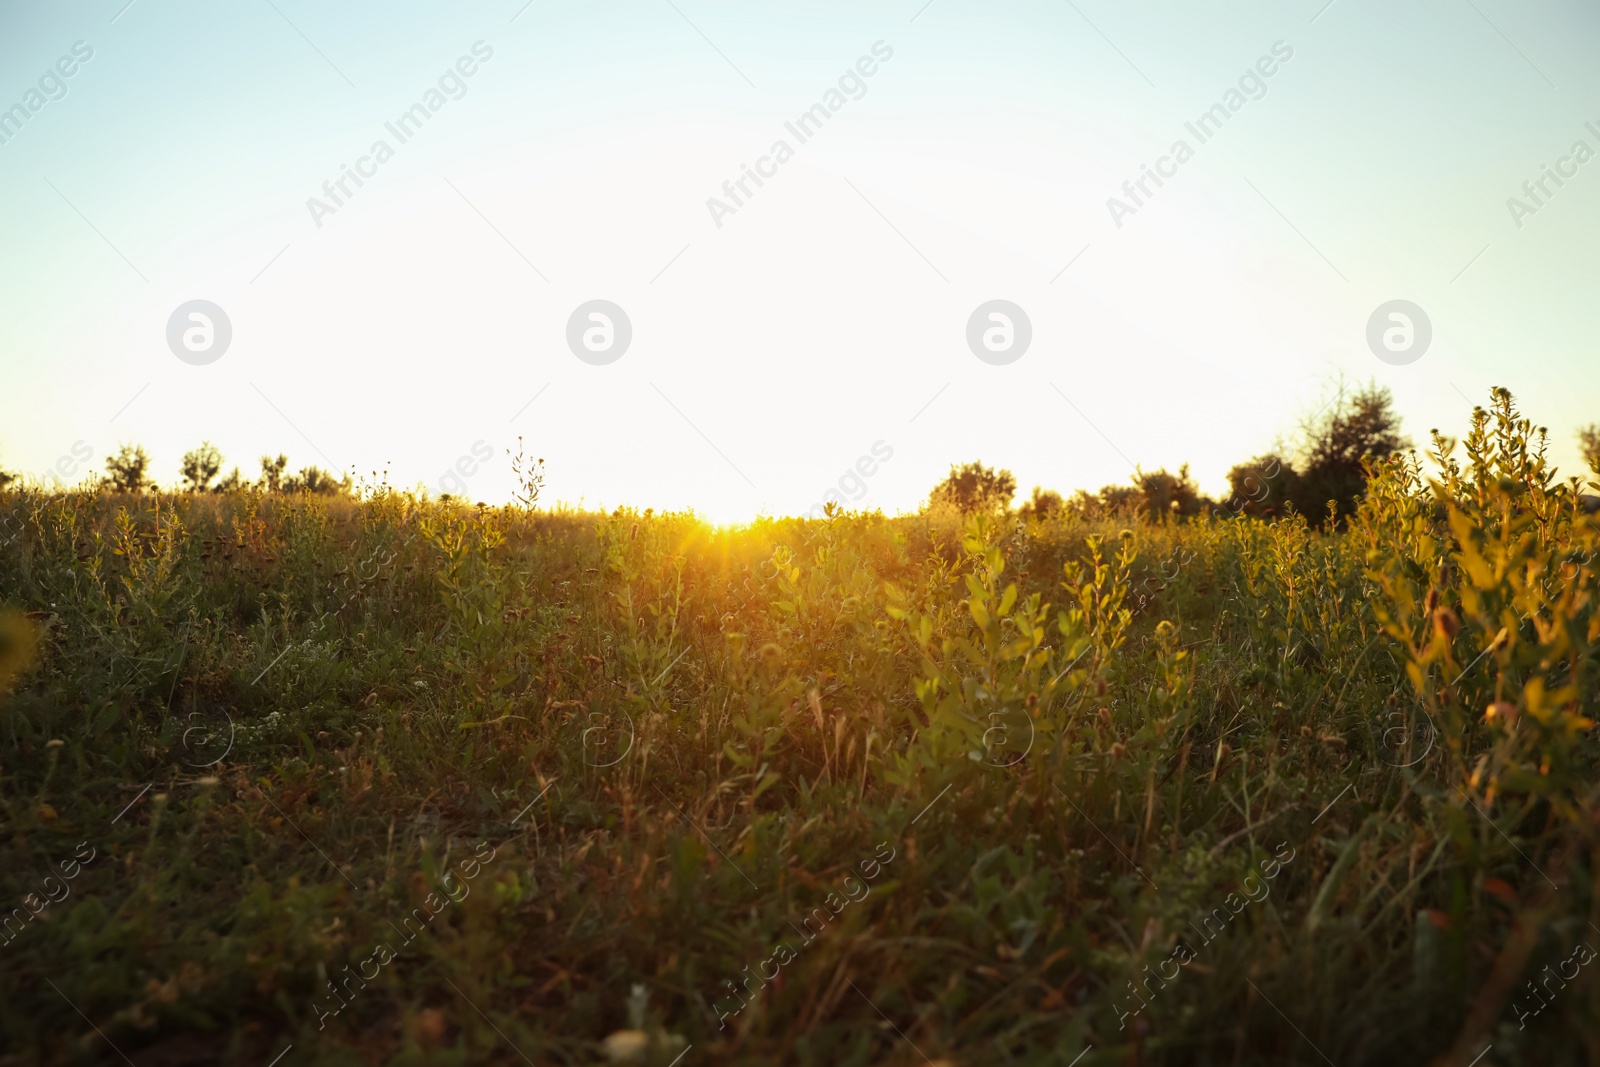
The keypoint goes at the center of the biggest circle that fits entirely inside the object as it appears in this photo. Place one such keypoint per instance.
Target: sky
(828, 329)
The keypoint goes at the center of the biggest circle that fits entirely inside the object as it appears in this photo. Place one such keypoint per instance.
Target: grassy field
(387, 780)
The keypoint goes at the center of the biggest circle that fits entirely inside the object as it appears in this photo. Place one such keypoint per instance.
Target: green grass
(280, 721)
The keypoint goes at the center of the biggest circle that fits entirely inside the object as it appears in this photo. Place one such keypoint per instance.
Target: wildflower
(1501, 711)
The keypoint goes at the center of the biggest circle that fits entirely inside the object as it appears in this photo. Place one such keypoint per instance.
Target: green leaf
(1330, 885)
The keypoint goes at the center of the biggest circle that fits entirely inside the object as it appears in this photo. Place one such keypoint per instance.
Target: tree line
(1323, 476)
(128, 471)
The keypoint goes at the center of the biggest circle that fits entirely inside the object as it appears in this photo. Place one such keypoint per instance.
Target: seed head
(1445, 623)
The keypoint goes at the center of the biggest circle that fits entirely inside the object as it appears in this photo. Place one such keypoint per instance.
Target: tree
(272, 472)
(200, 465)
(1043, 504)
(1120, 499)
(315, 480)
(1262, 487)
(1168, 494)
(128, 470)
(1335, 442)
(231, 484)
(974, 487)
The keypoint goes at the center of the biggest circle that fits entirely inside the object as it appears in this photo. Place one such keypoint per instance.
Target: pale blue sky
(829, 312)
